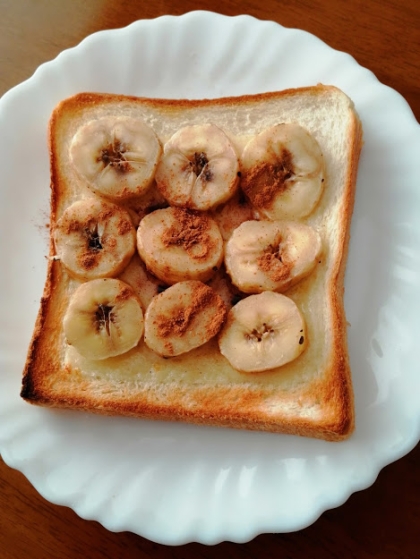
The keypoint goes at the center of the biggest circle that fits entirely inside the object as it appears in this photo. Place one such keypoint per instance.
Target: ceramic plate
(176, 483)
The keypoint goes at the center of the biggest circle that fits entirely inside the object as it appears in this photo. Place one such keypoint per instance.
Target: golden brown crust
(322, 407)
(344, 385)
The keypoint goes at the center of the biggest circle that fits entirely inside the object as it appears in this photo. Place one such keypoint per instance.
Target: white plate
(176, 483)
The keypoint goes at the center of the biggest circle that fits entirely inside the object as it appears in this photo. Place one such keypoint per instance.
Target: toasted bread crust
(319, 404)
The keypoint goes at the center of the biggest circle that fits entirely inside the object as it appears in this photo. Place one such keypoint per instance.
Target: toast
(309, 396)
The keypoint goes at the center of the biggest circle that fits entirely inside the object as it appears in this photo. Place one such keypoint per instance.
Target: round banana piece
(94, 239)
(271, 255)
(104, 319)
(283, 172)
(147, 203)
(232, 214)
(116, 156)
(177, 244)
(199, 168)
(223, 286)
(145, 285)
(263, 332)
(185, 316)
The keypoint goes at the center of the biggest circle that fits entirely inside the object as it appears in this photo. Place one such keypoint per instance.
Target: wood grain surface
(382, 521)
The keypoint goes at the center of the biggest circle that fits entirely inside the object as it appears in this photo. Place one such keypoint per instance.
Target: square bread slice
(309, 396)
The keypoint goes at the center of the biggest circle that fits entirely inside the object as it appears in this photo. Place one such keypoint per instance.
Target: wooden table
(383, 521)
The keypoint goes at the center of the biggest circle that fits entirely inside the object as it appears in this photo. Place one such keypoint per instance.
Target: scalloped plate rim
(380, 461)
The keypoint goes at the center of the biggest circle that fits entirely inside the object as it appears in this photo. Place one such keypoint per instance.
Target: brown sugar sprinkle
(169, 347)
(89, 260)
(73, 226)
(124, 227)
(180, 321)
(189, 231)
(106, 214)
(272, 264)
(177, 325)
(90, 223)
(124, 294)
(264, 181)
(218, 318)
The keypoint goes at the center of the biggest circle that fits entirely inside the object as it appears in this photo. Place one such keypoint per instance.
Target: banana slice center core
(93, 239)
(199, 165)
(260, 334)
(104, 318)
(113, 156)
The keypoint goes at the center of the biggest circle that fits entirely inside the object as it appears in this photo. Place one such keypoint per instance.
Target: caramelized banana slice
(199, 168)
(185, 316)
(229, 216)
(271, 255)
(178, 244)
(283, 172)
(145, 285)
(116, 156)
(263, 332)
(94, 239)
(104, 319)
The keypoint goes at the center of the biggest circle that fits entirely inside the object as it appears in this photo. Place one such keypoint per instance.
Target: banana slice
(283, 172)
(104, 319)
(263, 332)
(271, 255)
(178, 244)
(232, 214)
(223, 286)
(146, 204)
(185, 316)
(199, 168)
(145, 285)
(94, 239)
(116, 156)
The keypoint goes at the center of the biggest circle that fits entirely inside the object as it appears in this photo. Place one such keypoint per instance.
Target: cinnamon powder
(182, 316)
(263, 182)
(190, 231)
(124, 227)
(124, 294)
(271, 263)
(89, 260)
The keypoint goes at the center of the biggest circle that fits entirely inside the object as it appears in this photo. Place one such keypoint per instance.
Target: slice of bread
(310, 396)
